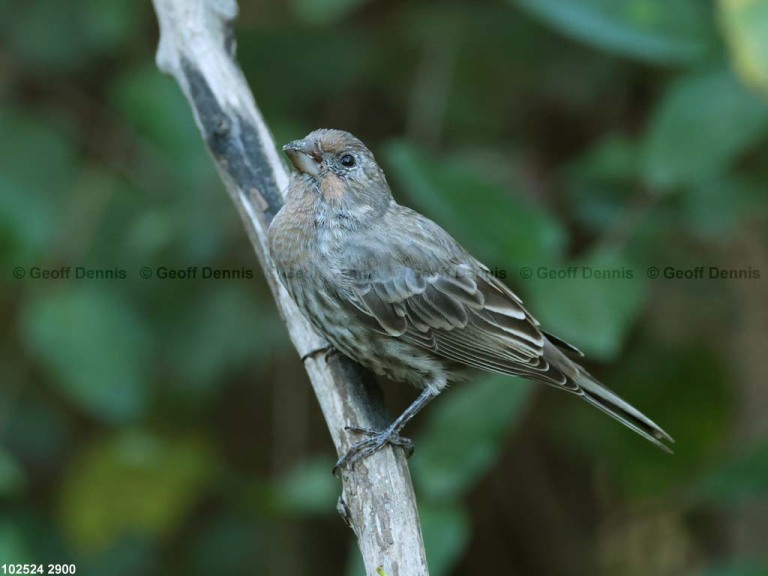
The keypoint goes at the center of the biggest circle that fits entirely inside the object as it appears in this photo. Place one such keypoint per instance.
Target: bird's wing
(452, 305)
(461, 313)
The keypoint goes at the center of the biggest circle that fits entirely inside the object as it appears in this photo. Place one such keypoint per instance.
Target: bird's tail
(613, 405)
(582, 383)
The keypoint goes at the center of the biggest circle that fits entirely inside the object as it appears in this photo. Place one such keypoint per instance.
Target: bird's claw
(376, 440)
(387, 437)
(325, 353)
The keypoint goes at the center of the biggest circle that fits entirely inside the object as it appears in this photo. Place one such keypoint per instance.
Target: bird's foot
(376, 440)
(325, 353)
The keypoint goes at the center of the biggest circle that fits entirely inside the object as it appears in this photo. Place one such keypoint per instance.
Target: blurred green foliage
(65, 329)
(745, 25)
(459, 197)
(475, 444)
(725, 121)
(132, 483)
(655, 31)
(159, 426)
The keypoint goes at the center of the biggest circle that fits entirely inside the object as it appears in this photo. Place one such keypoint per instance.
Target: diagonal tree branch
(197, 48)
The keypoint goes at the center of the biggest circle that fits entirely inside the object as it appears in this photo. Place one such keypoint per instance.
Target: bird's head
(339, 167)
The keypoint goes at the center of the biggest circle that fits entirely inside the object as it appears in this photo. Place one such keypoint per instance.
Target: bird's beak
(304, 155)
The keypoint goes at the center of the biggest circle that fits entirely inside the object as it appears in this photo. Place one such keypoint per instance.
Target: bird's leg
(377, 439)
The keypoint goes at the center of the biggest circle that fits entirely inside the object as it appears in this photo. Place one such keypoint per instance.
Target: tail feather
(613, 405)
(604, 399)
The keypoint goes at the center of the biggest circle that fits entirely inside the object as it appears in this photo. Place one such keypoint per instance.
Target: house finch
(392, 290)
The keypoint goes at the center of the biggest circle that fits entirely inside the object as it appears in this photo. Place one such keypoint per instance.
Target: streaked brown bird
(392, 290)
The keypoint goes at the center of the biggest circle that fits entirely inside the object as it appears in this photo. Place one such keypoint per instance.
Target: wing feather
(461, 315)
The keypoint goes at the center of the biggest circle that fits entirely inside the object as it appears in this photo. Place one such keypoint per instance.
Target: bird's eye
(347, 160)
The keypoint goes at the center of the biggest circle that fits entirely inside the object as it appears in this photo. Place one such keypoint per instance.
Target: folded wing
(461, 313)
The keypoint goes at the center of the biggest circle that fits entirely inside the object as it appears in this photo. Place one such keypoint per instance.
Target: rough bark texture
(197, 48)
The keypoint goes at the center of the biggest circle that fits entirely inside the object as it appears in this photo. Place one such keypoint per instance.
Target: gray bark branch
(197, 48)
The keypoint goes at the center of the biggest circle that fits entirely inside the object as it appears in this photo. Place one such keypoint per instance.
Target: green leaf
(14, 549)
(745, 26)
(108, 26)
(155, 106)
(45, 48)
(502, 227)
(601, 182)
(325, 11)
(38, 429)
(220, 333)
(615, 158)
(464, 434)
(714, 209)
(704, 122)
(582, 304)
(94, 346)
(51, 41)
(656, 31)
(743, 479)
(310, 488)
(11, 475)
(126, 557)
(446, 529)
(231, 543)
(37, 170)
(133, 483)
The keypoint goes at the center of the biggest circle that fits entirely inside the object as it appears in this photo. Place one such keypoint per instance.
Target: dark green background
(166, 426)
